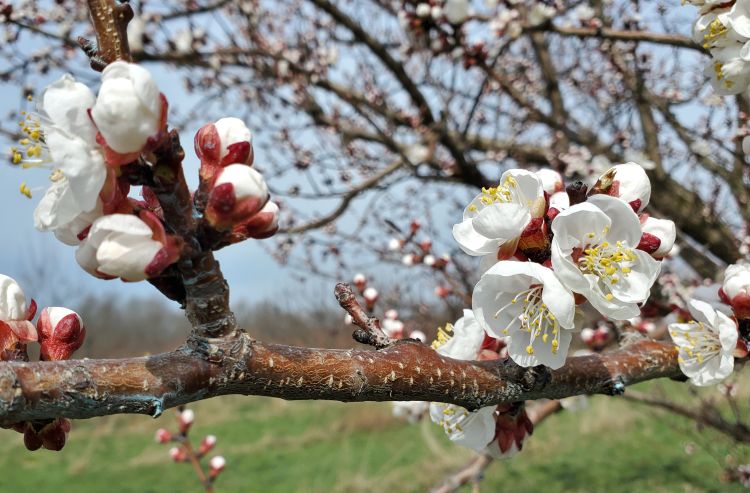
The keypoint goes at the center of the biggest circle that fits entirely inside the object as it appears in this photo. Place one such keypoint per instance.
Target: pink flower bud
(736, 289)
(129, 112)
(587, 335)
(418, 335)
(658, 236)
(177, 454)
(262, 225)
(216, 465)
(552, 181)
(224, 142)
(371, 296)
(61, 332)
(425, 245)
(394, 244)
(391, 314)
(628, 182)
(360, 281)
(414, 226)
(442, 291)
(393, 328)
(238, 194)
(163, 436)
(408, 259)
(14, 314)
(186, 419)
(207, 444)
(348, 320)
(429, 260)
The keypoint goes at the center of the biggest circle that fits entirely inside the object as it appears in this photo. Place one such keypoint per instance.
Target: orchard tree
(574, 146)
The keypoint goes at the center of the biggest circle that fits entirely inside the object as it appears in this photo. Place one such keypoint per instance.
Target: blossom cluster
(544, 250)
(59, 332)
(92, 143)
(723, 28)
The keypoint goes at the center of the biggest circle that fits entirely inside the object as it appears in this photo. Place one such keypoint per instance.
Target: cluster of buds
(599, 337)
(233, 195)
(99, 146)
(184, 451)
(59, 332)
(723, 28)
(436, 24)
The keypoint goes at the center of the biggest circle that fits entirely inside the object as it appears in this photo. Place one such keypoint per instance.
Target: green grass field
(277, 446)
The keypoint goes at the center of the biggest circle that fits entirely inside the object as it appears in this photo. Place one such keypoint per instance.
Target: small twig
(110, 19)
(369, 331)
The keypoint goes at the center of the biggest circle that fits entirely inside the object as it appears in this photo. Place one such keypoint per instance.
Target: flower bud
(418, 335)
(425, 245)
(216, 465)
(178, 454)
(61, 332)
(260, 226)
(227, 141)
(658, 236)
(163, 436)
(129, 111)
(394, 244)
(736, 289)
(391, 314)
(429, 260)
(185, 420)
(129, 247)
(207, 444)
(628, 182)
(393, 328)
(442, 291)
(238, 194)
(360, 281)
(14, 314)
(414, 226)
(552, 181)
(587, 335)
(371, 296)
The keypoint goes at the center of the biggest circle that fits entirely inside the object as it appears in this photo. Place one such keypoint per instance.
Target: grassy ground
(276, 446)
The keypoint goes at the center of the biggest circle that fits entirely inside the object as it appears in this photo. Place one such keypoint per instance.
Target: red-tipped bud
(185, 420)
(442, 291)
(260, 226)
(178, 454)
(216, 465)
(239, 193)
(31, 310)
(391, 314)
(425, 245)
(360, 281)
(61, 332)
(371, 296)
(163, 436)
(414, 226)
(207, 444)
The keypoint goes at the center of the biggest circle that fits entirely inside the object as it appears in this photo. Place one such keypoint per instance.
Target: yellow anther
(609, 296)
(529, 349)
(24, 189)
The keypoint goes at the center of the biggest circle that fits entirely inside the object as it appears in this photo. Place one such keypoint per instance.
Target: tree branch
(406, 370)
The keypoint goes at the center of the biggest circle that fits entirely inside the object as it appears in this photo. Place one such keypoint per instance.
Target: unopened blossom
(474, 430)
(552, 181)
(394, 244)
(418, 335)
(207, 444)
(261, 225)
(628, 182)
(658, 236)
(216, 465)
(126, 246)
(497, 217)
(735, 290)
(129, 110)
(526, 301)
(456, 11)
(61, 332)
(162, 436)
(224, 142)
(239, 193)
(360, 280)
(706, 344)
(14, 314)
(594, 253)
(185, 420)
(391, 314)
(178, 454)
(393, 328)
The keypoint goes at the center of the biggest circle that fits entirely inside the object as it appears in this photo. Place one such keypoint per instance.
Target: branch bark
(406, 370)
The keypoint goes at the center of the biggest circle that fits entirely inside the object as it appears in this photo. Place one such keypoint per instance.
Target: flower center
(715, 30)
(443, 336)
(608, 262)
(453, 416)
(535, 318)
(507, 191)
(702, 345)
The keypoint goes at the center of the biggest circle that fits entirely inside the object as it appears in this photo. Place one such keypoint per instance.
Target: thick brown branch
(406, 370)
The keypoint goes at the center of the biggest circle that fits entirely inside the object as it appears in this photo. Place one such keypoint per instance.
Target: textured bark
(406, 370)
